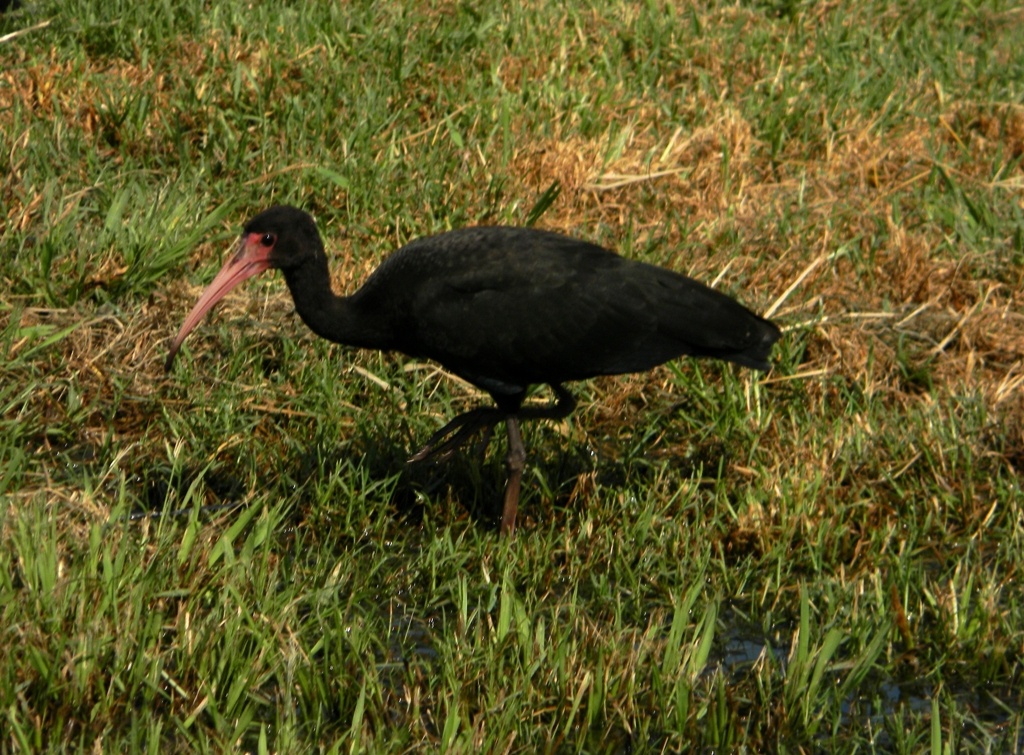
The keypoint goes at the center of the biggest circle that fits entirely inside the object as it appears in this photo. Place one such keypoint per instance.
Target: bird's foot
(454, 435)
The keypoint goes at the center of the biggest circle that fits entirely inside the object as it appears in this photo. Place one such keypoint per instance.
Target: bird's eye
(268, 240)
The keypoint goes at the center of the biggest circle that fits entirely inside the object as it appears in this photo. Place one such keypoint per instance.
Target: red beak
(251, 258)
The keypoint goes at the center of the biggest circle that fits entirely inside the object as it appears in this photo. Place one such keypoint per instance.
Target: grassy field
(234, 557)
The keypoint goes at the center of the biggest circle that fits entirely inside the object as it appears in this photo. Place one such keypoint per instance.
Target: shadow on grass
(560, 476)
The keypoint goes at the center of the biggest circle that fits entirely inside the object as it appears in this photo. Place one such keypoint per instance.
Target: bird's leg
(563, 406)
(450, 437)
(453, 435)
(516, 461)
(446, 440)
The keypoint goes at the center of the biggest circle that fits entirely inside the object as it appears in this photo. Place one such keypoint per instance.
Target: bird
(504, 308)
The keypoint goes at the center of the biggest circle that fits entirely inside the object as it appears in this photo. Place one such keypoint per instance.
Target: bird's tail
(756, 354)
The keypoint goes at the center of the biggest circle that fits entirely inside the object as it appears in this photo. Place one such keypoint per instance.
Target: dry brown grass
(857, 316)
(872, 471)
(968, 327)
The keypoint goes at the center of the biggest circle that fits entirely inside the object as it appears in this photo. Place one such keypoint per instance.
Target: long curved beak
(250, 258)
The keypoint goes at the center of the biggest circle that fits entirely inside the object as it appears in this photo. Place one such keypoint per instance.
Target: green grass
(234, 557)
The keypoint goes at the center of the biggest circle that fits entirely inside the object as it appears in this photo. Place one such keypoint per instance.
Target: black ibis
(504, 308)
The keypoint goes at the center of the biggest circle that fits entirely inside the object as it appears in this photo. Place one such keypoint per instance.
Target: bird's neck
(336, 318)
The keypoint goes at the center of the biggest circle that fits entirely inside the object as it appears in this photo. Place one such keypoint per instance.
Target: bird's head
(282, 237)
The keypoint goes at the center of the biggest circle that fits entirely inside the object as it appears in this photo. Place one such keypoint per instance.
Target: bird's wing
(554, 323)
(519, 306)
